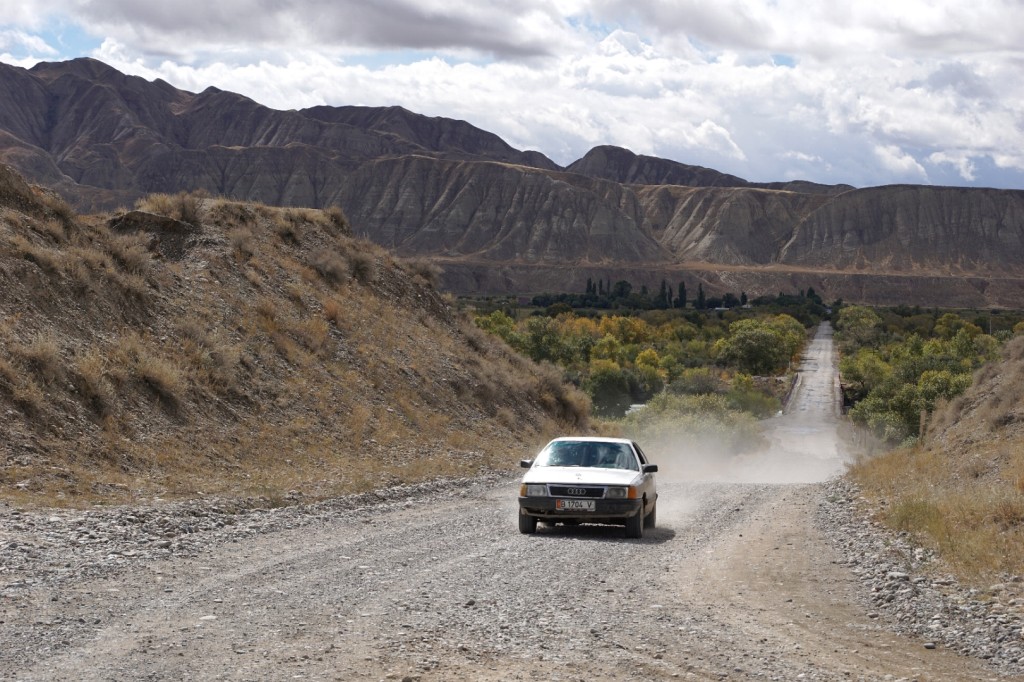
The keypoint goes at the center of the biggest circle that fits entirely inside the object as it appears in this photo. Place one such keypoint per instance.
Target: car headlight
(536, 490)
(617, 493)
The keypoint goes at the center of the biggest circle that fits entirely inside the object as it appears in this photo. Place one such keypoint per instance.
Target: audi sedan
(589, 480)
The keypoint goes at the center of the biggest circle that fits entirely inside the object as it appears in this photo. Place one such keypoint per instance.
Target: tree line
(619, 360)
(896, 365)
(603, 294)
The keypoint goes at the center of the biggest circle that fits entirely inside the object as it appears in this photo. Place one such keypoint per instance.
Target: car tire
(635, 525)
(651, 520)
(527, 524)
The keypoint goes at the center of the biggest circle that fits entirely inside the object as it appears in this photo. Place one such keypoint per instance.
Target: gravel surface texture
(759, 581)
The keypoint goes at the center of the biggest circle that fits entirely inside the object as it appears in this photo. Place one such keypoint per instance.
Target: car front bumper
(544, 508)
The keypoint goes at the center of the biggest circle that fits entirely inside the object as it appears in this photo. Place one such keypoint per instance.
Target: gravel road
(761, 568)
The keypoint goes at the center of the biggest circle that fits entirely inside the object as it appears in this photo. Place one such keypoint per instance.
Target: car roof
(591, 439)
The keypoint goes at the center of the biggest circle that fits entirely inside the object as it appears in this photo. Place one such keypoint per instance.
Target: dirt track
(737, 582)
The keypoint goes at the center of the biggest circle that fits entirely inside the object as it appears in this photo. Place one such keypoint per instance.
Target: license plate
(574, 505)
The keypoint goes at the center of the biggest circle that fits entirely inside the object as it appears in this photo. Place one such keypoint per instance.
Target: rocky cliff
(913, 228)
(498, 212)
(504, 220)
(622, 165)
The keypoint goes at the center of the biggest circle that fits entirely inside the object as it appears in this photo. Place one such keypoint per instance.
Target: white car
(589, 480)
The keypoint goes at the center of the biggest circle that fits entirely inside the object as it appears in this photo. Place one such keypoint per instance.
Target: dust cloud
(803, 444)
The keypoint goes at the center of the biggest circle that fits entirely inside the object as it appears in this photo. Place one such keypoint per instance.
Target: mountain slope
(502, 220)
(905, 228)
(497, 212)
(104, 130)
(210, 346)
(451, 138)
(622, 165)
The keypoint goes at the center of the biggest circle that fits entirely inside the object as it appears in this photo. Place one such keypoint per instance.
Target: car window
(562, 454)
(640, 453)
(588, 454)
(624, 458)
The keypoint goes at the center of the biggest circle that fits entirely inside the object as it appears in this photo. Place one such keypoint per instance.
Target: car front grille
(576, 491)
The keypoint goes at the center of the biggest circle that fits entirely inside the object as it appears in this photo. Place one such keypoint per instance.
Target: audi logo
(577, 491)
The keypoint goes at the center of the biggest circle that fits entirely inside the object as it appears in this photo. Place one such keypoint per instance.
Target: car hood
(584, 475)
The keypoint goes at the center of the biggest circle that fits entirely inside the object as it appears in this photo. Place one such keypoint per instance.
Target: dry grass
(425, 269)
(215, 361)
(56, 206)
(333, 267)
(313, 333)
(91, 379)
(50, 260)
(337, 219)
(140, 360)
(960, 505)
(53, 229)
(21, 388)
(363, 266)
(42, 355)
(332, 311)
(253, 366)
(131, 253)
(184, 206)
(289, 227)
(162, 376)
(243, 242)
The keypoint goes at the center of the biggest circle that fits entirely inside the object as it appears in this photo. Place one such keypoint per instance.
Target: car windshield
(567, 453)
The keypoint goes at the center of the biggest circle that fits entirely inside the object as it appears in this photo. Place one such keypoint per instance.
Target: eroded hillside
(984, 428)
(208, 346)
(504, 221)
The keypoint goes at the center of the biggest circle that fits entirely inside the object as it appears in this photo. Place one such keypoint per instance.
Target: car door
(647, 483)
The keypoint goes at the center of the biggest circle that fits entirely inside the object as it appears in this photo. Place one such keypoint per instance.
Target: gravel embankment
(904, 588)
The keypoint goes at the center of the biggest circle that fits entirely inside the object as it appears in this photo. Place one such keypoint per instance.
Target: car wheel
(652, 519)
(635, 525)
(527, 524)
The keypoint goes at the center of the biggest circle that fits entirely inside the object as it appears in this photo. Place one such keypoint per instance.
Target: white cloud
(800, 156)
(20, 40)
(962, 162)
(900, 163)
(859, 93)
(187, 28)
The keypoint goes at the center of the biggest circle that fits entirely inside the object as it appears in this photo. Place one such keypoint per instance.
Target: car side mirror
(526, 463)
(650, 468)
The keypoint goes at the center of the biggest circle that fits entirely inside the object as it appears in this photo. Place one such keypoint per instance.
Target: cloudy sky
(871, 93)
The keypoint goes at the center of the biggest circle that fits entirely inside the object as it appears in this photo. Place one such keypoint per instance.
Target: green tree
(681, 295)
(541, 339)
(622, 289)
(501, 325)
(858, 326)
(664, 298)
(791, 333)
(949, 325)
(608, 388)
(862, 372)
(755, 347)
(607, 348)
